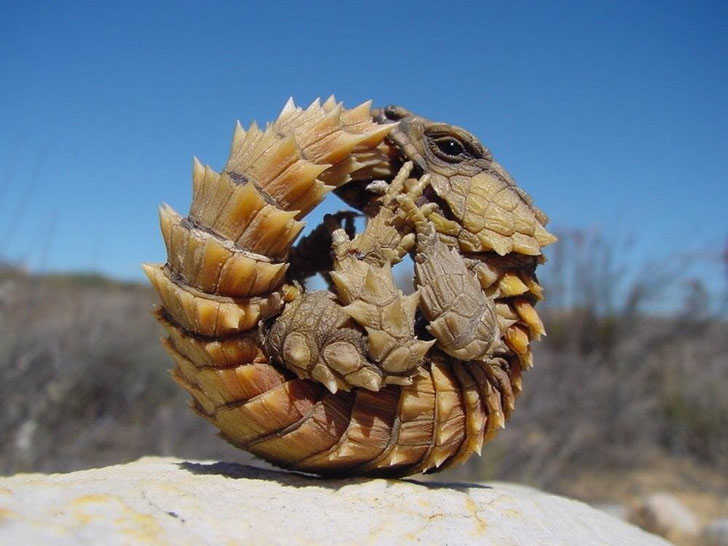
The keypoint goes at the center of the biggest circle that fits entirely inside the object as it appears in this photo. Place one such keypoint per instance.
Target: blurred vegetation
(84, 378)
(616, 382)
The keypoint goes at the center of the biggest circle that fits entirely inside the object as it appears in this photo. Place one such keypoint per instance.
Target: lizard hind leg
(312, 253)
(316, 339)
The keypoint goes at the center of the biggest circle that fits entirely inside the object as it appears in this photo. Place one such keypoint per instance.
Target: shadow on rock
(283, 477)
(454, 486)
(298, 479)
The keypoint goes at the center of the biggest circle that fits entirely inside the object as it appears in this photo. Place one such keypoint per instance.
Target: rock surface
(619, 511)
(665, 515)
(168, 501)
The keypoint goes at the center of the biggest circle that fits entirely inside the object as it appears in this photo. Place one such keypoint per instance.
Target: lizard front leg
(372, 300)
(461, 317)
(387, 237)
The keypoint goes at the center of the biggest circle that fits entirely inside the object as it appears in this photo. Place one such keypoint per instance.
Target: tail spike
(166, 220)
(238, 137)
(310, 199)
(206, 184)
(288, 108)
(374, 136)
(198, 173)
(273, 160)
(358, 114)
(320, 127)
(330, 103)
(334, 147)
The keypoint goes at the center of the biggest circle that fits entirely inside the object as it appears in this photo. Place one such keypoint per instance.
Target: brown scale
(360, 379)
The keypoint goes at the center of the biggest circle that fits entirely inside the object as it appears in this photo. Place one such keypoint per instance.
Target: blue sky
(613, 116)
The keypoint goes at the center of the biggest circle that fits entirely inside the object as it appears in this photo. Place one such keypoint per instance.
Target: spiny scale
(289, 159)
(358, 393)
(214, 264)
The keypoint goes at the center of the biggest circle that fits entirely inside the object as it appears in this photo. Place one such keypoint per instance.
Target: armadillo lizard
(359, 379)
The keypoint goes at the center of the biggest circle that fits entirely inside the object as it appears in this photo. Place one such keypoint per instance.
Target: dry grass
(84, 380)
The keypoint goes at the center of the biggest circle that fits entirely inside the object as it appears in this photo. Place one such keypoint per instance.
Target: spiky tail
(226, 272)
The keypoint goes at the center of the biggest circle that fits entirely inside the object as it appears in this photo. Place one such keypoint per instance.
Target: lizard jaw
(357, 193)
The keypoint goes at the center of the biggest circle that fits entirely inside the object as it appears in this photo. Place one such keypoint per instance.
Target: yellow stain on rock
(6, 514)
(139, 527)
(480, 525)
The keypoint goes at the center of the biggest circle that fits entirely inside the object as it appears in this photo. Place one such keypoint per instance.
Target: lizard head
(434, 147)
(480, 206)
(440, 149)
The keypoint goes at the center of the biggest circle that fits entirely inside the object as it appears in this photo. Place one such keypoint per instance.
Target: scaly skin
(360, 379)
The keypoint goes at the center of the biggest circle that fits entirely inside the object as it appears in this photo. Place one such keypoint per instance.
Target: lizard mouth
(379, 165)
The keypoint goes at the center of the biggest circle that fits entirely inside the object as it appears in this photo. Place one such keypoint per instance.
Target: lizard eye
(450, 147)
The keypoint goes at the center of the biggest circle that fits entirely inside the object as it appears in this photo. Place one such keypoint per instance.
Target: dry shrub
(84, 380)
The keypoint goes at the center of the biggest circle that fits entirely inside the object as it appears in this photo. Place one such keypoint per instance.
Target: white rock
(716, 533)
(618, 511)
(168, 501)
(665, 515)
